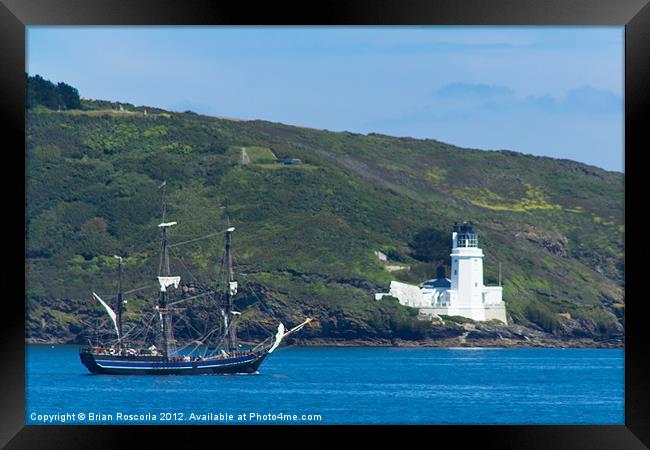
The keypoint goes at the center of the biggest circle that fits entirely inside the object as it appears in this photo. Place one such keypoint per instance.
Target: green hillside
(306, 234)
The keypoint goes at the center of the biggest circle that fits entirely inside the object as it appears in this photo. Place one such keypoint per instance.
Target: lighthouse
(468, 296)
(466, 272)
(464, 294)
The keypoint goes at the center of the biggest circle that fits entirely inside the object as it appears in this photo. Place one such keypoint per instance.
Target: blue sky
(551, 91)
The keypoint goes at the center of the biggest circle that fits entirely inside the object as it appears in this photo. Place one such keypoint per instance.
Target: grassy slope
(306, 234)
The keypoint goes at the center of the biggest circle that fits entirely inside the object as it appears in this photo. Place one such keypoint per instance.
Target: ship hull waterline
(119, 365)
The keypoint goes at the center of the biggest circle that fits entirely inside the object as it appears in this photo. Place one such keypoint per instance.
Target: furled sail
(299, 327)
(110, 312)
(167, 224)
(278, 337)
(165, 282)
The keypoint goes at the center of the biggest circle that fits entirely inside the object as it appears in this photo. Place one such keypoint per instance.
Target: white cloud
(463, 99)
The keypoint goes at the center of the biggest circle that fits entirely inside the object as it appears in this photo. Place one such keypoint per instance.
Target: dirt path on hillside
(364, 170)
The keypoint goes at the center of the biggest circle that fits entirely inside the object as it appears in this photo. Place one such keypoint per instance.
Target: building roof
(437, 282)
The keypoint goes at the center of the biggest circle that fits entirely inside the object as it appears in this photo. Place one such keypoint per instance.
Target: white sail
(278, 337)
(110, 312)
(165, 282)
(232, 287)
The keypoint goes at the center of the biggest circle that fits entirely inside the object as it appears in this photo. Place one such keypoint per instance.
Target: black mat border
(16, 14)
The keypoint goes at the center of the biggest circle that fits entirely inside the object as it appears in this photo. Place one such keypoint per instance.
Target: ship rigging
(159, 354)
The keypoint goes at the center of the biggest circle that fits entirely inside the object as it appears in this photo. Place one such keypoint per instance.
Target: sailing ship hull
(137, 365)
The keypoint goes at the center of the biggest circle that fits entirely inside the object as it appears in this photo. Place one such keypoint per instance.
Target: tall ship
(158, 353)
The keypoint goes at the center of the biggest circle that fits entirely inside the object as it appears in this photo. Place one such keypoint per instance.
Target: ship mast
(231, 289)
(166, 280)
(120, 303)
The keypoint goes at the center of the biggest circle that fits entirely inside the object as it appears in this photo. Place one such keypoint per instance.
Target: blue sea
(342, 386)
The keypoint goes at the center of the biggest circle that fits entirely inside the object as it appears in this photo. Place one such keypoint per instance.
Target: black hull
(134, 365)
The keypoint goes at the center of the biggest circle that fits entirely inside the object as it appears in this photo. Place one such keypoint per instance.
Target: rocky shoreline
(425, 343)
(457, 343)
(346, 331)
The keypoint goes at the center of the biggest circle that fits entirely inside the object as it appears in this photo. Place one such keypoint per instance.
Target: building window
(454, 271)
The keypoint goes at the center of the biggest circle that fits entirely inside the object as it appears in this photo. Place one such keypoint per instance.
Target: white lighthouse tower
(462, 295)
(468, 296)
(466, 273)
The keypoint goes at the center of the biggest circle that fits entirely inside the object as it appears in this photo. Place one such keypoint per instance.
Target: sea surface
(342, 386)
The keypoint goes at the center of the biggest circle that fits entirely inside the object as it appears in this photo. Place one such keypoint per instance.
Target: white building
(462, 295)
